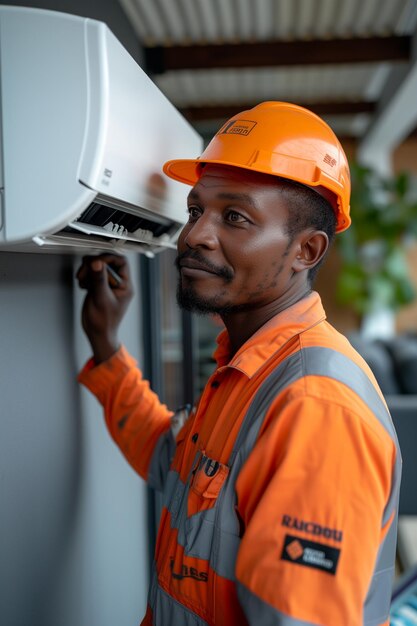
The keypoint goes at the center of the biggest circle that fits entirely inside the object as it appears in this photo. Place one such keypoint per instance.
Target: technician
(281, 485)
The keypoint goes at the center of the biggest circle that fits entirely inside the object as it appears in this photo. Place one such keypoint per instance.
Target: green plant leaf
(374, 270)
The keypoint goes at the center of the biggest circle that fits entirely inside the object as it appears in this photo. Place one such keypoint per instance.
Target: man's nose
(201, 233)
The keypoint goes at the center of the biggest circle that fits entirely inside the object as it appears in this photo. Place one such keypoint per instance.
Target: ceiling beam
(201, 113)
(162, 59)
(395, 117)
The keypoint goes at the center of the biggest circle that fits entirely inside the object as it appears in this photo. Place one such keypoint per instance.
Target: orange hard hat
(280, 139)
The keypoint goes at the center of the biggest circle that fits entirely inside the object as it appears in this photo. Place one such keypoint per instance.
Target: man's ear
(311, 248)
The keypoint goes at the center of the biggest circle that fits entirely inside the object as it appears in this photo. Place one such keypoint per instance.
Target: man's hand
(106, 301)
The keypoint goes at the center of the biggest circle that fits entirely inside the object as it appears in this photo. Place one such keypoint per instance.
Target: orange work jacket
(280, 487)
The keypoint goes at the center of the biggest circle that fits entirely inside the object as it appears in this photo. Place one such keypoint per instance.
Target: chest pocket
(207, 480)
(211, 526)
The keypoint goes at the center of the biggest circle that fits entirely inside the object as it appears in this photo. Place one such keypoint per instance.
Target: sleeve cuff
(98, 378)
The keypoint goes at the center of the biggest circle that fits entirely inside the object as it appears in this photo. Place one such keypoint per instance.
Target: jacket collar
(271, 336)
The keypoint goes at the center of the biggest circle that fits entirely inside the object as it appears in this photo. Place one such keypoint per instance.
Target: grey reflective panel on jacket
(213, 535)
(161, 461)
(167, 611)
(259, 612)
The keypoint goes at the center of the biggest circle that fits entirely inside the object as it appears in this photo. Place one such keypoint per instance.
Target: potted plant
(374, 277)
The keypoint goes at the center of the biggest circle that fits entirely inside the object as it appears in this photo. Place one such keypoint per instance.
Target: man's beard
(189, 300)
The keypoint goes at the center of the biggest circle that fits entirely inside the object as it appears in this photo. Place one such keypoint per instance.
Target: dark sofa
(394, 364)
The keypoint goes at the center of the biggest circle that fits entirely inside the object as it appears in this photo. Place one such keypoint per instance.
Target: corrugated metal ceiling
(167, 23)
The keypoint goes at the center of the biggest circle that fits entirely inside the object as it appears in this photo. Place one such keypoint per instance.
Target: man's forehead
(231, 183)
(227, 174)
(254, 190)
(219, 174)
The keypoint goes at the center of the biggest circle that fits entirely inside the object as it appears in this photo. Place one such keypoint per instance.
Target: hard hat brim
(184, 170)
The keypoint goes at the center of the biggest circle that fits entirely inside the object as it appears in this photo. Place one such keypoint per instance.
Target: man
(281, 486)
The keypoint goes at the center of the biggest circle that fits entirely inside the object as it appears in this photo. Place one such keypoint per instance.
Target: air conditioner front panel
(44, 112)
(132, 129)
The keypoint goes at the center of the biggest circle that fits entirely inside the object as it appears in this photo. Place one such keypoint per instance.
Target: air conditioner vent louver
(99, 215)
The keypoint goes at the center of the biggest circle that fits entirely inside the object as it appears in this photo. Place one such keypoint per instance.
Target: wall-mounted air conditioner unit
(83, 136)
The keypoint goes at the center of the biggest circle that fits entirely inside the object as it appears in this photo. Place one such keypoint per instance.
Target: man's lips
(193, 268)
(192, 263)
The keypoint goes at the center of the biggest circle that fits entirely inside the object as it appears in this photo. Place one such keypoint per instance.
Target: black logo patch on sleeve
(310, 554)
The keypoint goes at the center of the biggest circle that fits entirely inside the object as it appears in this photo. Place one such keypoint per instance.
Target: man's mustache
(223, 271)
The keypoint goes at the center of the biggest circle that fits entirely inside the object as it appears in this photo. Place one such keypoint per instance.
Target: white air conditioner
(83, 136)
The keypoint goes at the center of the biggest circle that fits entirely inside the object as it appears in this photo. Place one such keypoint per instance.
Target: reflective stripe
(198, 540)
(378, 599)
(259, 612)
(283, 375)
(213, 534)
(161, 460)
(174, 495)
(165, 449)
(167, 611)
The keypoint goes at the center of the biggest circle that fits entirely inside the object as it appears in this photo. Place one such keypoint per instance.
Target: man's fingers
(92, 276)
(97, 265)
(83, 272)
(115, 280)
(119, 264)
(98, 281)
(92, 271)
(81, 276)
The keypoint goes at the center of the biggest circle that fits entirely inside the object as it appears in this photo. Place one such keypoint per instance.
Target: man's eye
(234, 216)
(194, 212)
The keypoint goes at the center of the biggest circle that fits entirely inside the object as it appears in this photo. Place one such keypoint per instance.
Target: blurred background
(76, 543)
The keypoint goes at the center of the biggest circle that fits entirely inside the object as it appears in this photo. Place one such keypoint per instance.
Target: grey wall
(73, 531)
(73, 535)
